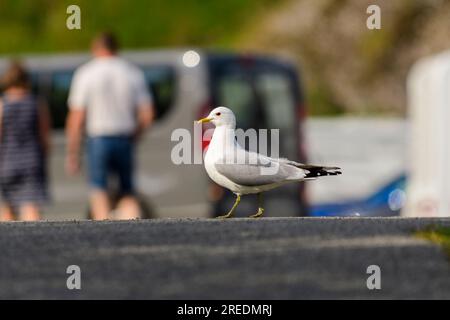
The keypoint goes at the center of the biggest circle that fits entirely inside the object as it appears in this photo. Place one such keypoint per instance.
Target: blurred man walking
(111, 95)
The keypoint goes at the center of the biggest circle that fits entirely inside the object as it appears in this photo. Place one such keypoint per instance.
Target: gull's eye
(217, 113)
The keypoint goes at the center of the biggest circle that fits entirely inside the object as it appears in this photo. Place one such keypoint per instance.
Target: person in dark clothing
(24, 145)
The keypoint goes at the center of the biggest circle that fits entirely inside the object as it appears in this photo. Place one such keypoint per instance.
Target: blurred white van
(264, 92)
(428, 187)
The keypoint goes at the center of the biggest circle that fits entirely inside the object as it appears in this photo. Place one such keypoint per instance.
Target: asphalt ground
(268, 258)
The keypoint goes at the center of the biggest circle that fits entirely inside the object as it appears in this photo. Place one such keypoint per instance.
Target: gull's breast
(210, 166)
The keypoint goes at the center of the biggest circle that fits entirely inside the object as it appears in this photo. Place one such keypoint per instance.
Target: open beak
(204, 120)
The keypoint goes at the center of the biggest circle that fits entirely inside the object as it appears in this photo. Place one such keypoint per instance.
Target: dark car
(264, 93)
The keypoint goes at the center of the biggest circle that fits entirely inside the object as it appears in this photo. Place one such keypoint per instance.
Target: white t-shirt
(110, 89)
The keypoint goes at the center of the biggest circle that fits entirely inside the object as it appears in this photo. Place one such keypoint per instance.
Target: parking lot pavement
(382, 155)
(270, 258)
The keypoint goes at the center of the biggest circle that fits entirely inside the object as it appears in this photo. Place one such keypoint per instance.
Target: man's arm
(145, 116)
(77, 102)
(144, 103)
(74, 133)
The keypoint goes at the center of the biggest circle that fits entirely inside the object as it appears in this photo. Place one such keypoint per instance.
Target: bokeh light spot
(191, 58)
(396, 199)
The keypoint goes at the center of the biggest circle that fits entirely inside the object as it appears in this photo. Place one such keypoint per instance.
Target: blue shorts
(111, 156)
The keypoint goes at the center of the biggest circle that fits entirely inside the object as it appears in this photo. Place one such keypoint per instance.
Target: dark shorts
(24, 185)
(111, 156)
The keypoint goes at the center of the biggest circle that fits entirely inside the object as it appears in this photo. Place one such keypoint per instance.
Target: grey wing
(258, 174)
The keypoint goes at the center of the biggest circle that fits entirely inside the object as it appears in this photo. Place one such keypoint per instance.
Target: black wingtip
(314, 172)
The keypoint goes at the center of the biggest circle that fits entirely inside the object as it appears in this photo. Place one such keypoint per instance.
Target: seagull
(254, 173)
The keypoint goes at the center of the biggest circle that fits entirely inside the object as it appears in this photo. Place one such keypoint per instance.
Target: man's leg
(100, 206)
(29, 212)
(7, 213)
(128, 206)
(98, 158)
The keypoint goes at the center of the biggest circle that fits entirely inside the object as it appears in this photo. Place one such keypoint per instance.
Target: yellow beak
(204, 120)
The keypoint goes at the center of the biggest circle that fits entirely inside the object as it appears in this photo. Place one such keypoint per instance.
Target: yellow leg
(230, 213)
(260, 207)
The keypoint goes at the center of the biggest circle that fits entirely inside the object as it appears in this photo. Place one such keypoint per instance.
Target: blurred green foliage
(438, 235)
(321, 101)
(40, 25)
(379, 49)
(377, 61)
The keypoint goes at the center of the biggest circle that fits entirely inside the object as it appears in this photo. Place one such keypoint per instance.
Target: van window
(160, 80)
(235, 91)
(278, 103)
(59, 92)
(35, 87)
(260, 97)
(161, 83)
(277, 99)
